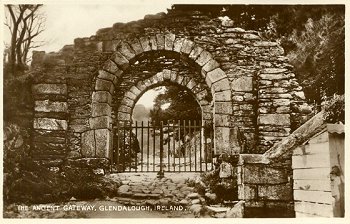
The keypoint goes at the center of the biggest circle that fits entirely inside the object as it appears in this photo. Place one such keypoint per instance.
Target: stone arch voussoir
(125, 53)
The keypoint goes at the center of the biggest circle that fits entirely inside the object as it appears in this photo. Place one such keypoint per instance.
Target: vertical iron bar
(136, 145)
(147, 146)
(206, 151)
(118, 147)
(200, 150)
(184, 122)
(161, 147)
(211, 147)
(180, 151)
(205, 147)
(174, 144)
(168, 140)
(130, 157)
(141, 162)
(195, 145)
(190, 152)
(124, 144)
(154, 145)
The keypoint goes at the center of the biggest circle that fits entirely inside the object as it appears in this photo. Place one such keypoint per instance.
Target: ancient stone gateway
(207, 81)
(243, 84)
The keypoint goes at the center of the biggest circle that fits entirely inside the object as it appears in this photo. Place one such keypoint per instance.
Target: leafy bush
(226, 189)
(28, 182)
(335, 109)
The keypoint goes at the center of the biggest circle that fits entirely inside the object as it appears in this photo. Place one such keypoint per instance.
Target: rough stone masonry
(243, 84)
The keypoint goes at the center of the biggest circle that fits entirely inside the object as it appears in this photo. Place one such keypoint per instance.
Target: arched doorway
(110, 106)
(183, 144)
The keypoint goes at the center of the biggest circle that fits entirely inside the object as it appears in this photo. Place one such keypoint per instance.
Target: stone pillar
(50, 122)
(266, 188)
(274, 99)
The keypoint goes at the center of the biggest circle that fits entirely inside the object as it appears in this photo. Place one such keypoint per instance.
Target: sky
(67, 21)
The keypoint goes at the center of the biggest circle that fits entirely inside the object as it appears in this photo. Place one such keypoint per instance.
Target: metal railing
(173, 146)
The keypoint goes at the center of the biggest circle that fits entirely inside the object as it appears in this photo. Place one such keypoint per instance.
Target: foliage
(183, 106)
(28, 182)
(313, 37)
(335, 109)
(318, 57)
(224, 188)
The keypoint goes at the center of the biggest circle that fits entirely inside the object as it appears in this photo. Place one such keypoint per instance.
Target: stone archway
(97, 142)
(124, 112)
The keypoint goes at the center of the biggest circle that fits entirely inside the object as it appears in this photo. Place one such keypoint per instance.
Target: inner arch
(166, 77)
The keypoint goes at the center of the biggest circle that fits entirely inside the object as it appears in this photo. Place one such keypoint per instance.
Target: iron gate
(181, 146)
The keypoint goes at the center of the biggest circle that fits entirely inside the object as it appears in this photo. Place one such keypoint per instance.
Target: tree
(313, 38)
(183, 106)
(25, 23)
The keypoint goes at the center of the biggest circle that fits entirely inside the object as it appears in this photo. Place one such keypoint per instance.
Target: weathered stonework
(240, 81)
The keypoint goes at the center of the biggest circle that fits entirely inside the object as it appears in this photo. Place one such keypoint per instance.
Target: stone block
(123, 116)
(166, 74)
(120, 60)
(203, 58)
(126, 50)
(214, 76)
(144, 41)
(273, 70)
(136, 46)
(112, 67)
(299, 95)
(153, 43)
(50, 106)
(159, 77)
(104, 85)
(251, 36)
(242, 84)
(224, 96)
(210, 65)
(135, 91)
(50, 124)
(262, 174)
(275, 76)
(173, 76)
(59, 89)
(141, 86)
(196, 51)
(222, 140)
(223, 107)
(100, 122)
(88, 143)
(130, 95)
(101, 109)
(187, 46)
(221, 85)
(247, 192)
(103, 138)
(265, 44)
(222, 120)
(191, 84)
(235, 30)
(124, 109)
(274, 119)
(169, 41)
(271, 96)
(276, 192)
(102, 97)
(107, 76)
(160, 41)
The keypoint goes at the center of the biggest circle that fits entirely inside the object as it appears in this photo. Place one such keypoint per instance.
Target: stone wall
(50, 122)
(246, 79)
(267, 189)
